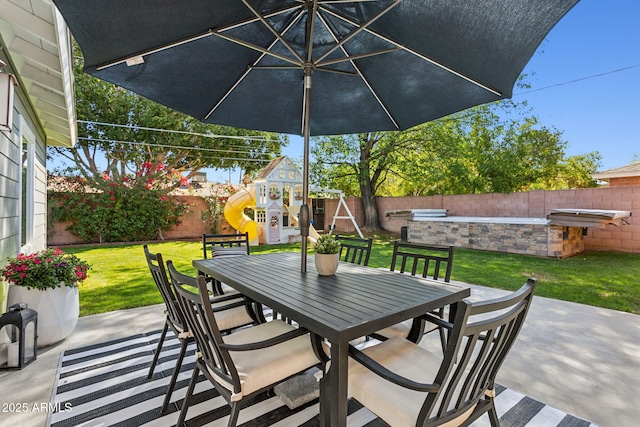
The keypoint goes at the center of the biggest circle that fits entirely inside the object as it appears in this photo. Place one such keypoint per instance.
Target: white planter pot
(327, 264)
(58, 310)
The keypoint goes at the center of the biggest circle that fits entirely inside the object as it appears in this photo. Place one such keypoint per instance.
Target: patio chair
(355, 250)
(231, 312)
(429, 261)
(244, 363)
(234, 243)
(219, 245)
(407, 385)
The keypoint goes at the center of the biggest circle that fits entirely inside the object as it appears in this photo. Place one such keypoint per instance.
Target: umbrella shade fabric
(376, 65)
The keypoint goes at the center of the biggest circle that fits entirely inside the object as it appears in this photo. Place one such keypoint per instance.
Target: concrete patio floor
(580, 359)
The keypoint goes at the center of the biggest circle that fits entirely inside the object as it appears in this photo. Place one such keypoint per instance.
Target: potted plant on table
(327, 255)
(47, 281)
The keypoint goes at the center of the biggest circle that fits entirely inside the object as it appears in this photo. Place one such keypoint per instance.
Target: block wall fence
(192, 226)
(532, 204)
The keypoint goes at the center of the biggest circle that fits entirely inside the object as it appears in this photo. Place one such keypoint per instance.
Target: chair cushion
(228, 290)
(231, 318)
(398, 330)
(402, 329)
(220, 251)
(396, 405)
(261, 368)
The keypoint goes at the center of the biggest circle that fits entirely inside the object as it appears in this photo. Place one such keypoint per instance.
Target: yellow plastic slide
(294, 211)
(235, 216)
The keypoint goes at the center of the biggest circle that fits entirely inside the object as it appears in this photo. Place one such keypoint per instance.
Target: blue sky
(576, 85)
(596, 37)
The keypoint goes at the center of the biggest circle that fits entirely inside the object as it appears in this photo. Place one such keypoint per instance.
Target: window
(27, 185)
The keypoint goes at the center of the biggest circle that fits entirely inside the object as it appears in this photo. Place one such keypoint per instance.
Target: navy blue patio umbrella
(312, 67)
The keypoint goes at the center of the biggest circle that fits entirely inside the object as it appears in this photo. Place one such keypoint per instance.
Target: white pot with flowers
(47, 281)
(327, 255)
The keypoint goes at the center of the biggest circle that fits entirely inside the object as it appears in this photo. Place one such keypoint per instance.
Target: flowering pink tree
(215, 203)
(119, 208)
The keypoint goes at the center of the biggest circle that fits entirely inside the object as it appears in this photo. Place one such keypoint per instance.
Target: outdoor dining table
(355, 302)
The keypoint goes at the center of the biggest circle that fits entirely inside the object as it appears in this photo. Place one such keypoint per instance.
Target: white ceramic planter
(58, 310)
(327, 264)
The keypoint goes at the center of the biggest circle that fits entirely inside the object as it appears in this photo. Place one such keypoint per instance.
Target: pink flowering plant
(47, 269)
(113, 207)
(215, 206)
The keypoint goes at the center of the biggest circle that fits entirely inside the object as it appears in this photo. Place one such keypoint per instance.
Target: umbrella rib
(354, 57)
(418, 54)
(257, 48)
(343, 1)
(252, 20)
(153, 50)
(264, 52)
(132, 58)
(274, 67)
(330, 70)
(272, 30)
(359, 28)
(359, 73)
(284, 67)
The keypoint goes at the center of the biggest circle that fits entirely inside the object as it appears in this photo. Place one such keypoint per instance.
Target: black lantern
(20, 324)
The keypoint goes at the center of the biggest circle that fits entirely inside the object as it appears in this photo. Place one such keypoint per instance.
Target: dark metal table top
(356, 301)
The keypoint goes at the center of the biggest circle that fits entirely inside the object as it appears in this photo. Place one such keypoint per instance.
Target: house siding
(10, 191)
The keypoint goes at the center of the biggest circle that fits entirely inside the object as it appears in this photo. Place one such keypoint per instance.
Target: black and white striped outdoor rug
(106, 385)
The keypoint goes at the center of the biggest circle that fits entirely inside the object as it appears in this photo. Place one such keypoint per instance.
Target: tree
(101, 104)
(481, 151)
(358, 165)
(573, 172)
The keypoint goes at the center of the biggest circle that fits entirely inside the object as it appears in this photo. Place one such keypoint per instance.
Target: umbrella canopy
(374, 64)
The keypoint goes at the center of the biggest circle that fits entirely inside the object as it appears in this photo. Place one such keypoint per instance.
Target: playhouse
(275, 196)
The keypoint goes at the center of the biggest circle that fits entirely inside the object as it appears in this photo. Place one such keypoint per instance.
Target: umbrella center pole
(304, 219)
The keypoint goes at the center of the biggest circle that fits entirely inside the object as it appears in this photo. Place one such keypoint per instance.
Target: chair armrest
(506, 301)
(389, 375)
(239, 303)
(230, 297)
(266, 343)
(437, 321)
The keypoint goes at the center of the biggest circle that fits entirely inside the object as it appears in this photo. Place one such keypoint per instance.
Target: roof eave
(39, 47)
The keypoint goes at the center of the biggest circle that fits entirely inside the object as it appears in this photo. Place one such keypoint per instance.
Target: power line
(184, 132)
(579, 80)
(181, 147)
(243, 159)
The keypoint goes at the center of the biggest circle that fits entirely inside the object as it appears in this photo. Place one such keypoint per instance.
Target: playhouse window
(274, 191)
(286, 194)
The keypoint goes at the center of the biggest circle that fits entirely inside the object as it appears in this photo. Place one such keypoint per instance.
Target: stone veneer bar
(529, 236)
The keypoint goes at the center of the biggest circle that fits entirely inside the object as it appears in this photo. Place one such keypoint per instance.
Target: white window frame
(26, 136)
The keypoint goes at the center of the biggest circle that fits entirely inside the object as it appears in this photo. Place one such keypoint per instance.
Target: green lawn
(120, 278)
